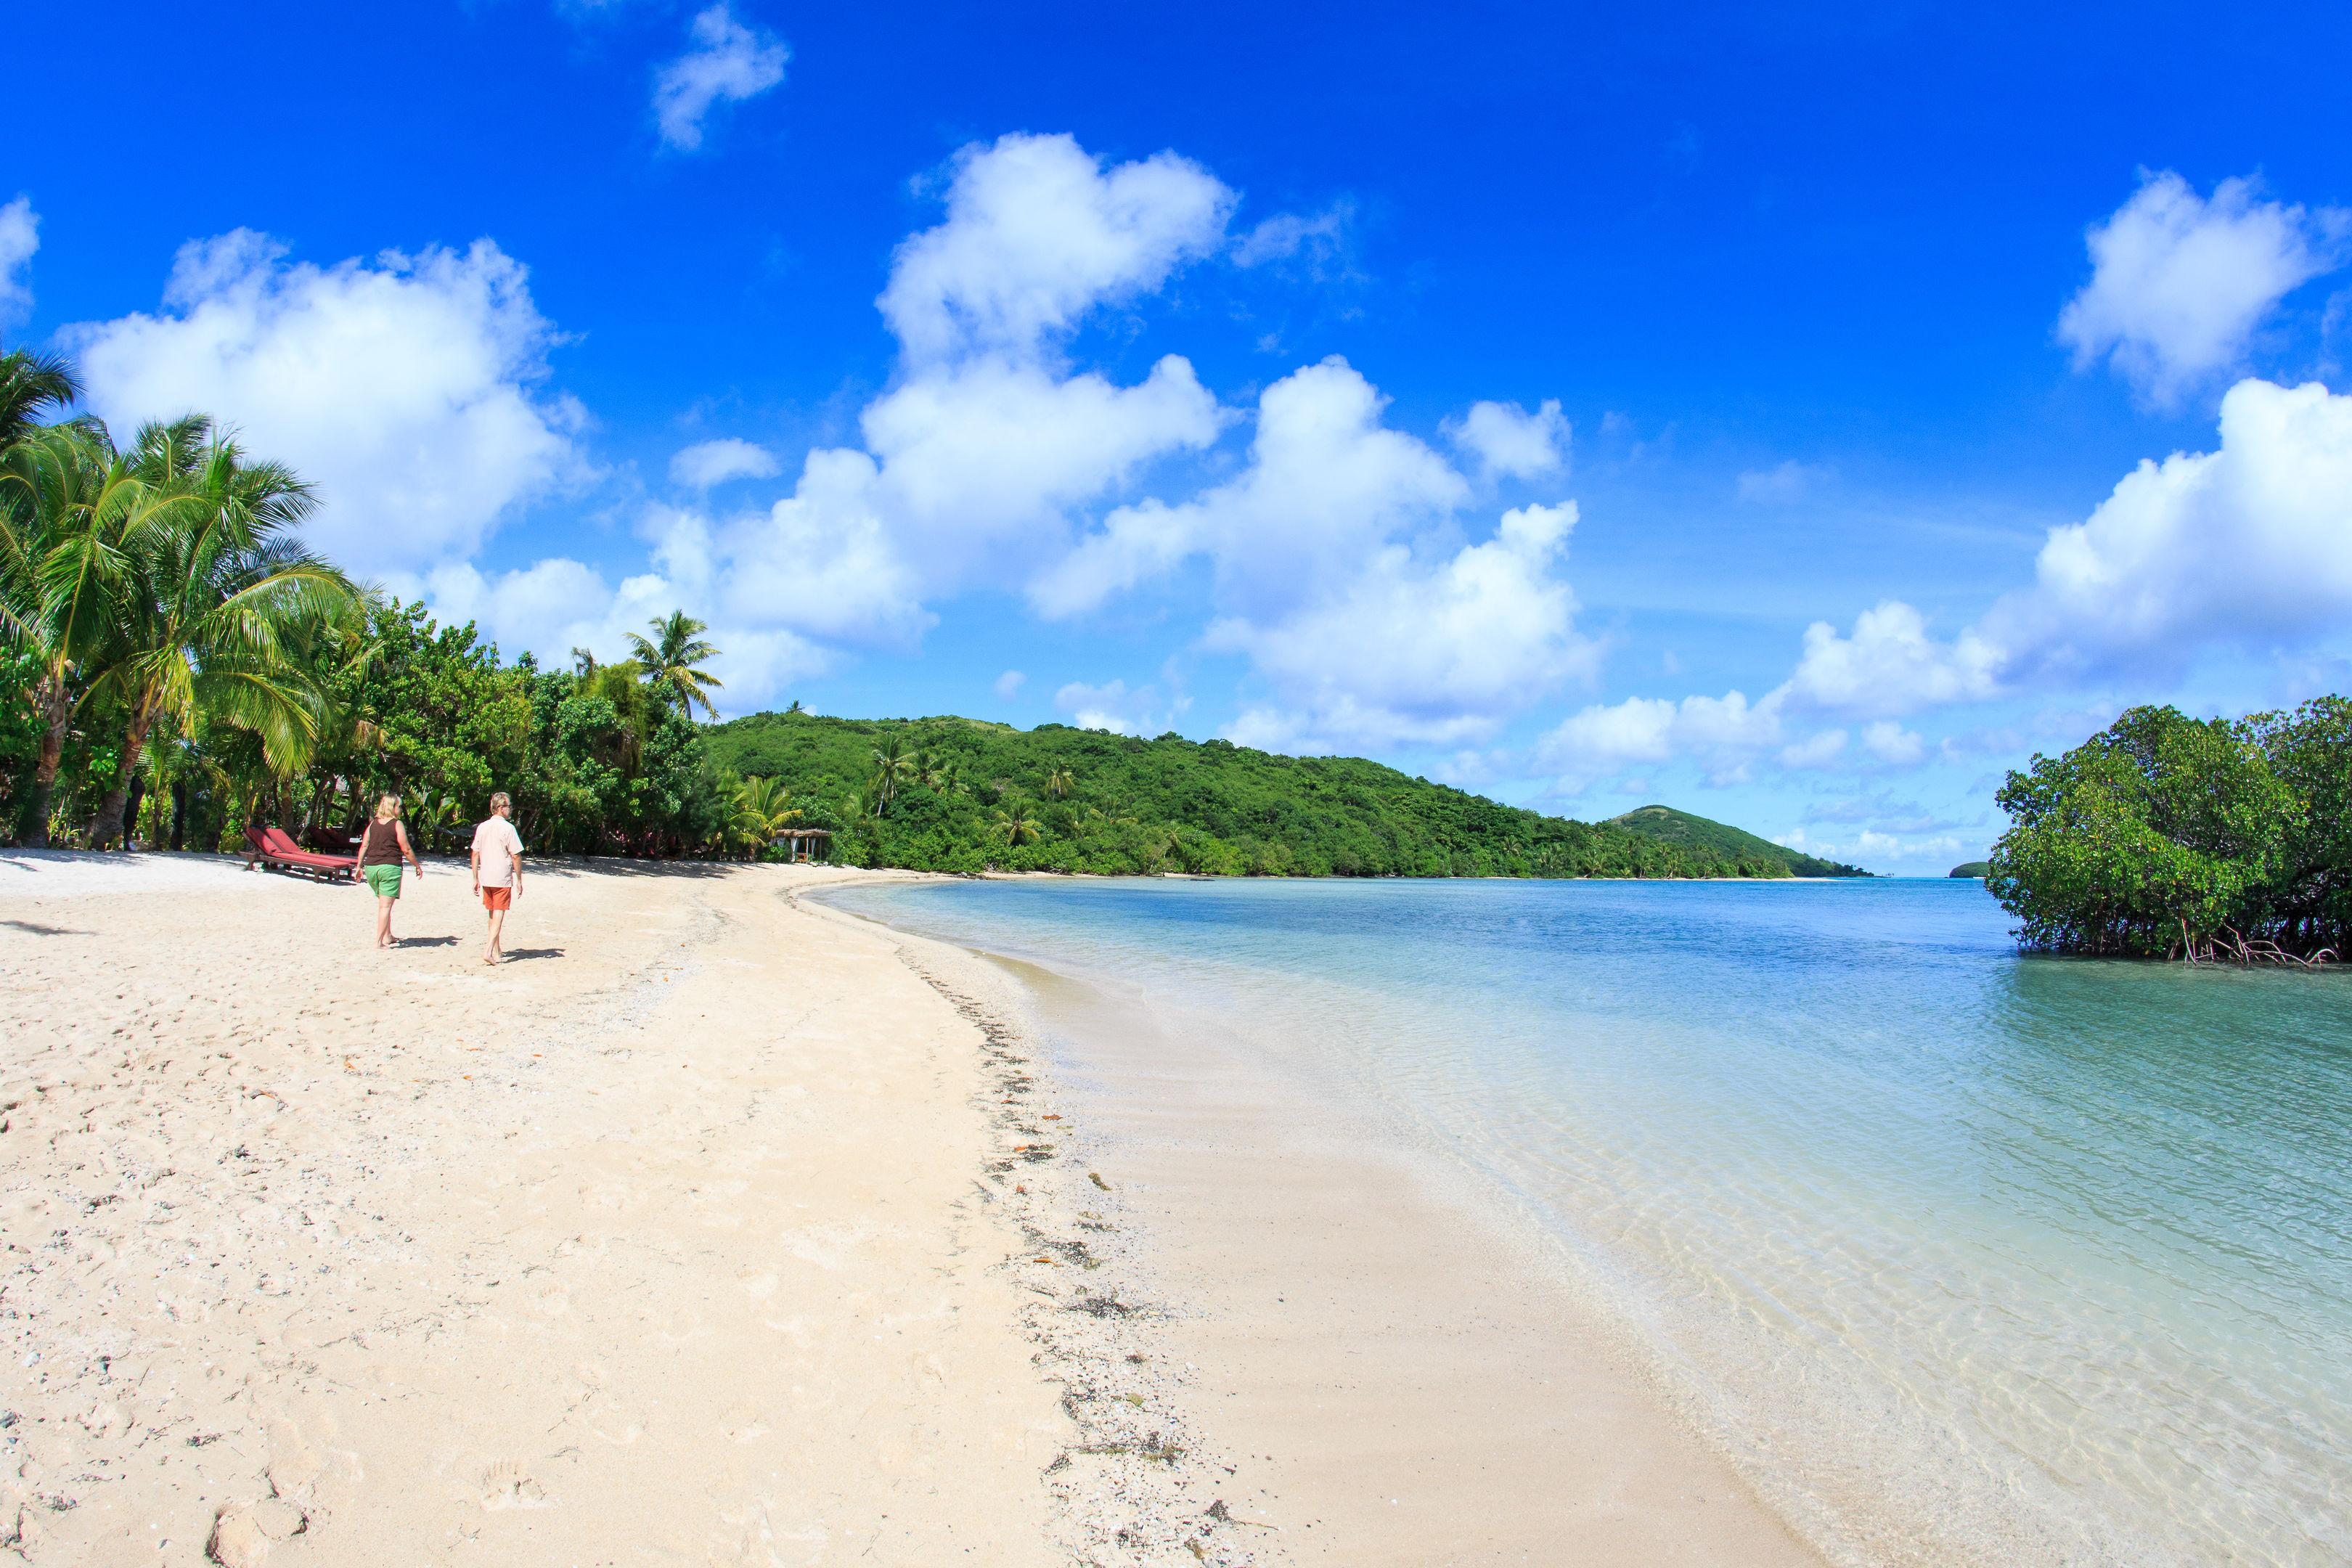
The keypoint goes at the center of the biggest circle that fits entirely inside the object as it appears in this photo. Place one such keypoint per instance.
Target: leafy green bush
(2167, 835)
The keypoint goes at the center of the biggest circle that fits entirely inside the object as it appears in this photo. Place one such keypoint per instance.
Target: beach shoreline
(723, 1224)
(1405, 1379)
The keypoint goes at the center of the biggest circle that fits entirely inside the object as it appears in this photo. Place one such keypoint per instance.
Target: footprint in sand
(507, 1484)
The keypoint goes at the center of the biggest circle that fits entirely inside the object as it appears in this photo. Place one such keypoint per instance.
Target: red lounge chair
(273, 849)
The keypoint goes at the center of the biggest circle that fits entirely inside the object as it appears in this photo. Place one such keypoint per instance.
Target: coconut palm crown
(672, 661)
(211, 603)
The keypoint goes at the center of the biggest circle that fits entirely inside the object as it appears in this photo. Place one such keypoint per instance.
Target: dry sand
(714, 1227)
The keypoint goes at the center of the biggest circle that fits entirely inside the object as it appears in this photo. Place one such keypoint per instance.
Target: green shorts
(384, 879)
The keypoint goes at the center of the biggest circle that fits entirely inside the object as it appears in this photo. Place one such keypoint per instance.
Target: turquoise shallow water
(1967, 1256)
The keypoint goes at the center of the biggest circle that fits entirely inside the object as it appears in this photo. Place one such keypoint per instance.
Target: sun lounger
(271, 848)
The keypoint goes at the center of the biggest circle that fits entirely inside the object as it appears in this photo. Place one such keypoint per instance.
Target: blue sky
(1738, 410)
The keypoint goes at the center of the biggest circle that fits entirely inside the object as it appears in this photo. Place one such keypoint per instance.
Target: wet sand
(1400, 1380)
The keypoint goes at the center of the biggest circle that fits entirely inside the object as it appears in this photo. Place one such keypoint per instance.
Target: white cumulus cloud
(2250, 544)
(405, 388)
(557, 605)
(1038, 232)
(1722, 733)
(727, 63)
(1891, 664)
(1327, 485)
(975, 460)
(1890, 742)
(2247, 546)
(1816, 751)
(20, 236)
(1508, 441)
(1371, 611)
(2180, 282)
(708, 463)
(1432, 655)
(1335, 574)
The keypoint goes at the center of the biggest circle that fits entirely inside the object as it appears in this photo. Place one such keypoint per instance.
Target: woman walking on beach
(382, 847)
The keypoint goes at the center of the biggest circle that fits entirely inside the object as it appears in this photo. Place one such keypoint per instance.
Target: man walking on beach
(498, 867)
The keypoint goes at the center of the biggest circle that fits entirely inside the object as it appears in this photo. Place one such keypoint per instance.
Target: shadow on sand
(598, 865)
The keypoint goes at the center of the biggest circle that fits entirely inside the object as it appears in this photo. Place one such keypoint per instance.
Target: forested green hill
(1668, 825)
(960, 794)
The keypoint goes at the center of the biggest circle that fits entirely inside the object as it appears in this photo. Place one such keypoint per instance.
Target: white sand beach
(713, 1227)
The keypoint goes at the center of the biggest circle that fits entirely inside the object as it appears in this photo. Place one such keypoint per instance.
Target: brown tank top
(380, 846)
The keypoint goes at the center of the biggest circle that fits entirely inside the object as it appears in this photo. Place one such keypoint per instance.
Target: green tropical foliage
(2167, 835)
(958, 794)
(211, 604)
(758, 809)
(175, 665)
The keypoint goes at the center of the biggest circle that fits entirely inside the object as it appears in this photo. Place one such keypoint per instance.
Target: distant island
(949, 794)
(1671, 827)
(1977, 870)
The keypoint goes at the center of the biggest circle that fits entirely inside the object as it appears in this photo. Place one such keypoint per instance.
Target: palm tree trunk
(179, 816)
(135, 797)
(58, 710)
(108, 826)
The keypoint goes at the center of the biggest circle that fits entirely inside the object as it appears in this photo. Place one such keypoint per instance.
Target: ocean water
(1966, 1257)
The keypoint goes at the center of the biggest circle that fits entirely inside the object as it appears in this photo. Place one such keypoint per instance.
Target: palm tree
(1058, 783)
(67, 500)
(583, 663)
(214, 605)
(32, 384)
(1016, 827)
(892, 761)
(672, 661)
(762, 808)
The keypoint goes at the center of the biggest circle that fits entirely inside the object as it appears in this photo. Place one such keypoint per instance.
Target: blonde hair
(387, 807)
(498, 800)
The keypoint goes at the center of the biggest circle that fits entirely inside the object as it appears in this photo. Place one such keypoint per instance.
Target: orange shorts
(498, 897)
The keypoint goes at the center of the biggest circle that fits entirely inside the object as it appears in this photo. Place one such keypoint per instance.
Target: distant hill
(1980, 869)
(966, 796)
(1668, 825)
